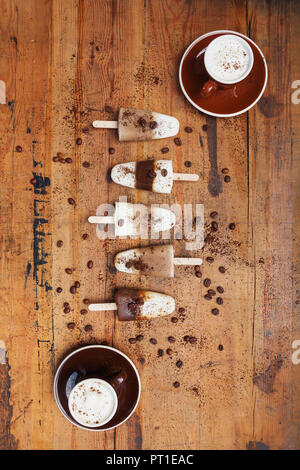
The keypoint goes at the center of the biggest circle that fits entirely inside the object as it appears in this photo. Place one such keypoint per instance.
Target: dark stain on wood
(7, 440)
(135, 439)
(265, 381)
(256, 445)
(214, 182)
(269, 106)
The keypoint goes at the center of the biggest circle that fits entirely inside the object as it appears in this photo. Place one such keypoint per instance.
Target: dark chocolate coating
(129, 302)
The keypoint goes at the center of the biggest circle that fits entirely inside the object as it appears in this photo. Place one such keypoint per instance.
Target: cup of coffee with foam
(228, 59)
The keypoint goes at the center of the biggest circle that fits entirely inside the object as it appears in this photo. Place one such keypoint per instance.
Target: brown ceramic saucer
(227, 101)
(98, 361)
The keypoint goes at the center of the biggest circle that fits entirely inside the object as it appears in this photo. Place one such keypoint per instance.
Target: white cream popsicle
(151, 175)
(133, 219)
(133, 304)
(157, 260)
(138, 124)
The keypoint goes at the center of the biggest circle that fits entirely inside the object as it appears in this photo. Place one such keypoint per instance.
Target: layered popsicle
(157, 260)
(127, 219)
(138, 124)
(150, 175)
(133, 304)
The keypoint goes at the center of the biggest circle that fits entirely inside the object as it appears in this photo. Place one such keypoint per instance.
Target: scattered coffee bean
(209, 259)
(77, 284)
(179, 364)
(85, 236)
(215, 311)
(66, 304)
(188, 164)
(67, 310)
(213, 214)
(186, 338)
(174, 320)
(19, 148)
(231, 226)
(164, 172)
(85, 130)
(69, 160)
(86, 301)
(211, 292)
(86, 164)
(207, 282)
(171, 339)
(71, 325)
(197, 267)
(132, 340)
(112, 270)
(160, 352)
(90, 264)
(153, 125)
(71, 201)
(176, 384)
(222, 269)
(88, 328)
(220, 289)
(142, 360)
(55, 159)
(111, 150)
(59, 154)
(177, 141)
(193, 340)
(181, 310)
(153, 341)
(198, 273)
(73, 290)
(169, 351)
(214, 226)
(165, 150)
(78, 141)
(59, 290)
(208, 297)
(83, 311)
(142, 122)
(205, 127)
(59, 243)
(68, 270)
(220, 347)
(188, 129)
(62, 160)
(140, 337)
(219, 300)
(227, 179)
(225, 171)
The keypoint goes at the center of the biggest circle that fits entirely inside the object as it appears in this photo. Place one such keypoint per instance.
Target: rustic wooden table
(64, 62)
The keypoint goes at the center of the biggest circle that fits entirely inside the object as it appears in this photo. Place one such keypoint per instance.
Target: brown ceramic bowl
(98, 361)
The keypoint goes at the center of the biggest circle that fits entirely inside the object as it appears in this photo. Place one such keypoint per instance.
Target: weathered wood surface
(62, 62)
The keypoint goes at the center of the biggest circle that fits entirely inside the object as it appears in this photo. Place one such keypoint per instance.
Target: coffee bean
(231, 226)
(211, 292)
(85, 236)
(59, 290)
(83, 311)
(208, 297)
(225, 171)
(142, 122)
(209, 259)
(197, 267)
(90, 264)
(179, 364)
(86, 164)
(188, 129)
(176, 384)
(62, 160)
(214, 226)
(55, 159)
(165, 150)
(132, 340)
(227, 179)
(71, 201)
(112, 270)
(142, 360)
(177, 141)
(111, 150)
(77, 284)
(174, 320)
(205, 127)
(68, 270)
(207, 282)
(188, 164)
(153, 125)
(171, 339)
(59, 243)
(213, 214)
(181, 310)
(59, 154)
(140, 337)
(88, 328)
(78, 141)
(86, 301)
(67, 310)
(222, 269)
(220, 347)
(19, 148)
(164, 172)
(198, 273)
(71, 325)
(220, 289)
(73, 289)
(169, 351)
(66, 304)
(153, 341)
(160, 352)
(186, 338)
(193, 340)
(85, 130)
(69, 160)
(215, 311)
(219, 300)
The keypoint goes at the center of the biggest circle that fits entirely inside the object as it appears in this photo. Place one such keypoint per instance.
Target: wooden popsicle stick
(187, 261)
(96, 219)
(102, 307)
(185, 177)
(106, 124)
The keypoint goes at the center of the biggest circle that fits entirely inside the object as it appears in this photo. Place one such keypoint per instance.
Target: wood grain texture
(64, 62)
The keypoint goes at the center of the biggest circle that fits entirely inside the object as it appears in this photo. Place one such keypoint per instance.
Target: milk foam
(228, 58)
(92, 402)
